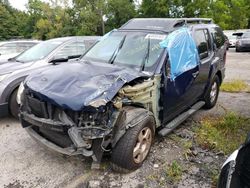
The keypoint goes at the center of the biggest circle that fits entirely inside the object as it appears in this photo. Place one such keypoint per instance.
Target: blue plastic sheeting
(182, 51)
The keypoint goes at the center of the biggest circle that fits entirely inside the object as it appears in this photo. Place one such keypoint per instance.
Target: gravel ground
(24, 163)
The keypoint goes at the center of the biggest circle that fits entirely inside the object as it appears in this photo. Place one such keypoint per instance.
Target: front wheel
(13, 106)
(213, 93)
(133, 148)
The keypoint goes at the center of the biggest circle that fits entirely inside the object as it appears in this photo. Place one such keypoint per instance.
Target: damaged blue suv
(144, 78)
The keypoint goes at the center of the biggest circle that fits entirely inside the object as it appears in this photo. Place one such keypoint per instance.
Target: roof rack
(162, 24)
(198, 20)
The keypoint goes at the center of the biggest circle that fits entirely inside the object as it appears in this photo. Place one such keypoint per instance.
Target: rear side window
(24, 46)
(218, 36)
(72, 49)
(202, 42)
(8, 48)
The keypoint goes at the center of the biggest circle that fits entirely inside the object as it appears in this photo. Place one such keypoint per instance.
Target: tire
(237, 49)
(13, 106)
(123, 157)
(212, 94)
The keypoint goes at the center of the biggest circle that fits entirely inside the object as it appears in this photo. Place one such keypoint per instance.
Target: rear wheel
(133, 148)
(212, 94)
(13, 106)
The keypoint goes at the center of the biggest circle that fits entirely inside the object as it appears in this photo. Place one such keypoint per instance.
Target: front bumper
(4, 110)
(67, 151)
(29, 121)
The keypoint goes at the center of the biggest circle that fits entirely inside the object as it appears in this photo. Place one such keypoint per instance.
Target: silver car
(243, 41)
(10, 49)
(15, 70)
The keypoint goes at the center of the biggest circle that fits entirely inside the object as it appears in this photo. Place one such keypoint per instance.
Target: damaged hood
(80, 84)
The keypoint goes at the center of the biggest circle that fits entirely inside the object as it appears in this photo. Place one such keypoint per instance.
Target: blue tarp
(182, 51)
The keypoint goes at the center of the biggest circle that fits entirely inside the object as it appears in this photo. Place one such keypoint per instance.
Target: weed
(174, 172)
(223, 133)
(235, 86)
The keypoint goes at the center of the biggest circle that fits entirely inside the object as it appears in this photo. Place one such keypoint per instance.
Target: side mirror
(74, 57)
(59, 59)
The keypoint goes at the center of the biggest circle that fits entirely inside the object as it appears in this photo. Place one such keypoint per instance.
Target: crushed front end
(68, 132)
(93, 130)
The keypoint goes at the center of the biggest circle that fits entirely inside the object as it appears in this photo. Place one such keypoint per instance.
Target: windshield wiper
(112, 59)
(146, 56)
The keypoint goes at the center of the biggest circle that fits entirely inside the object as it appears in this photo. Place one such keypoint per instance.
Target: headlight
(97, 103)
(2, 77)
(20, 94)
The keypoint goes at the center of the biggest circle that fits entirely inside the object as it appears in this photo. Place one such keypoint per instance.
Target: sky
(18, 4)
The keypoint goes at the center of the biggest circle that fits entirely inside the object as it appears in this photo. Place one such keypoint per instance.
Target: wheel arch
(219, 74)
(129, 116)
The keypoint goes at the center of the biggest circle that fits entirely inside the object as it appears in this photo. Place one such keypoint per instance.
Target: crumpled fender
(129, 117)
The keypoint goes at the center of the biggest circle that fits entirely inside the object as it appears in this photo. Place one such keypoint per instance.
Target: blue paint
(74, 86)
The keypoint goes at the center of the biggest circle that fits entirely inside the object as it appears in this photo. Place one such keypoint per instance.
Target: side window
(202, 42)
(24, 46)
(8, 48)
(72, 49)
(218, 36)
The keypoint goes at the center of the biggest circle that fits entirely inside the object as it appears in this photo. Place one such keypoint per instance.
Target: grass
(235, 86)
(213, 173)
(174, 172)
(223, 133)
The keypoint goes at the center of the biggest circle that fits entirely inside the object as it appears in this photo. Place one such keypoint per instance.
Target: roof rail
(198, 20)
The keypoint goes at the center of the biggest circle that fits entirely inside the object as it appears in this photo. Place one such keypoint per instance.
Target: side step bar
(179, 119)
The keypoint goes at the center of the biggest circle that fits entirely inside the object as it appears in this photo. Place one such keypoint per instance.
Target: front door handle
(195, 74)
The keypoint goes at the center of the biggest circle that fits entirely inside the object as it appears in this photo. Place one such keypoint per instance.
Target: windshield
(132, 49)
(246, 35)
(39, 51)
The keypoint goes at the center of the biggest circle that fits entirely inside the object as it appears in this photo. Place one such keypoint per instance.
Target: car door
(188, 87)
(219, 47)
(203, 41)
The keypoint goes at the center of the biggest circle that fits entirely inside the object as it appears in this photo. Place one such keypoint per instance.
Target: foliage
(229, 14)
(224, 134)
(174, 172)
(235, 86)
(56, 18)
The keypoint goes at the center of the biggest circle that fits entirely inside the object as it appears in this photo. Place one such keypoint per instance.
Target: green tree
(90, 15)
(119, 12)
(153, 8)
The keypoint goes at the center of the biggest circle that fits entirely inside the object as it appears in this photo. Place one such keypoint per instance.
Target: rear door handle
(195, 74)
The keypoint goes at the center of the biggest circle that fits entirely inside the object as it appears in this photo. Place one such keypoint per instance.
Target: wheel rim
(142, 145)
(213, 92)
